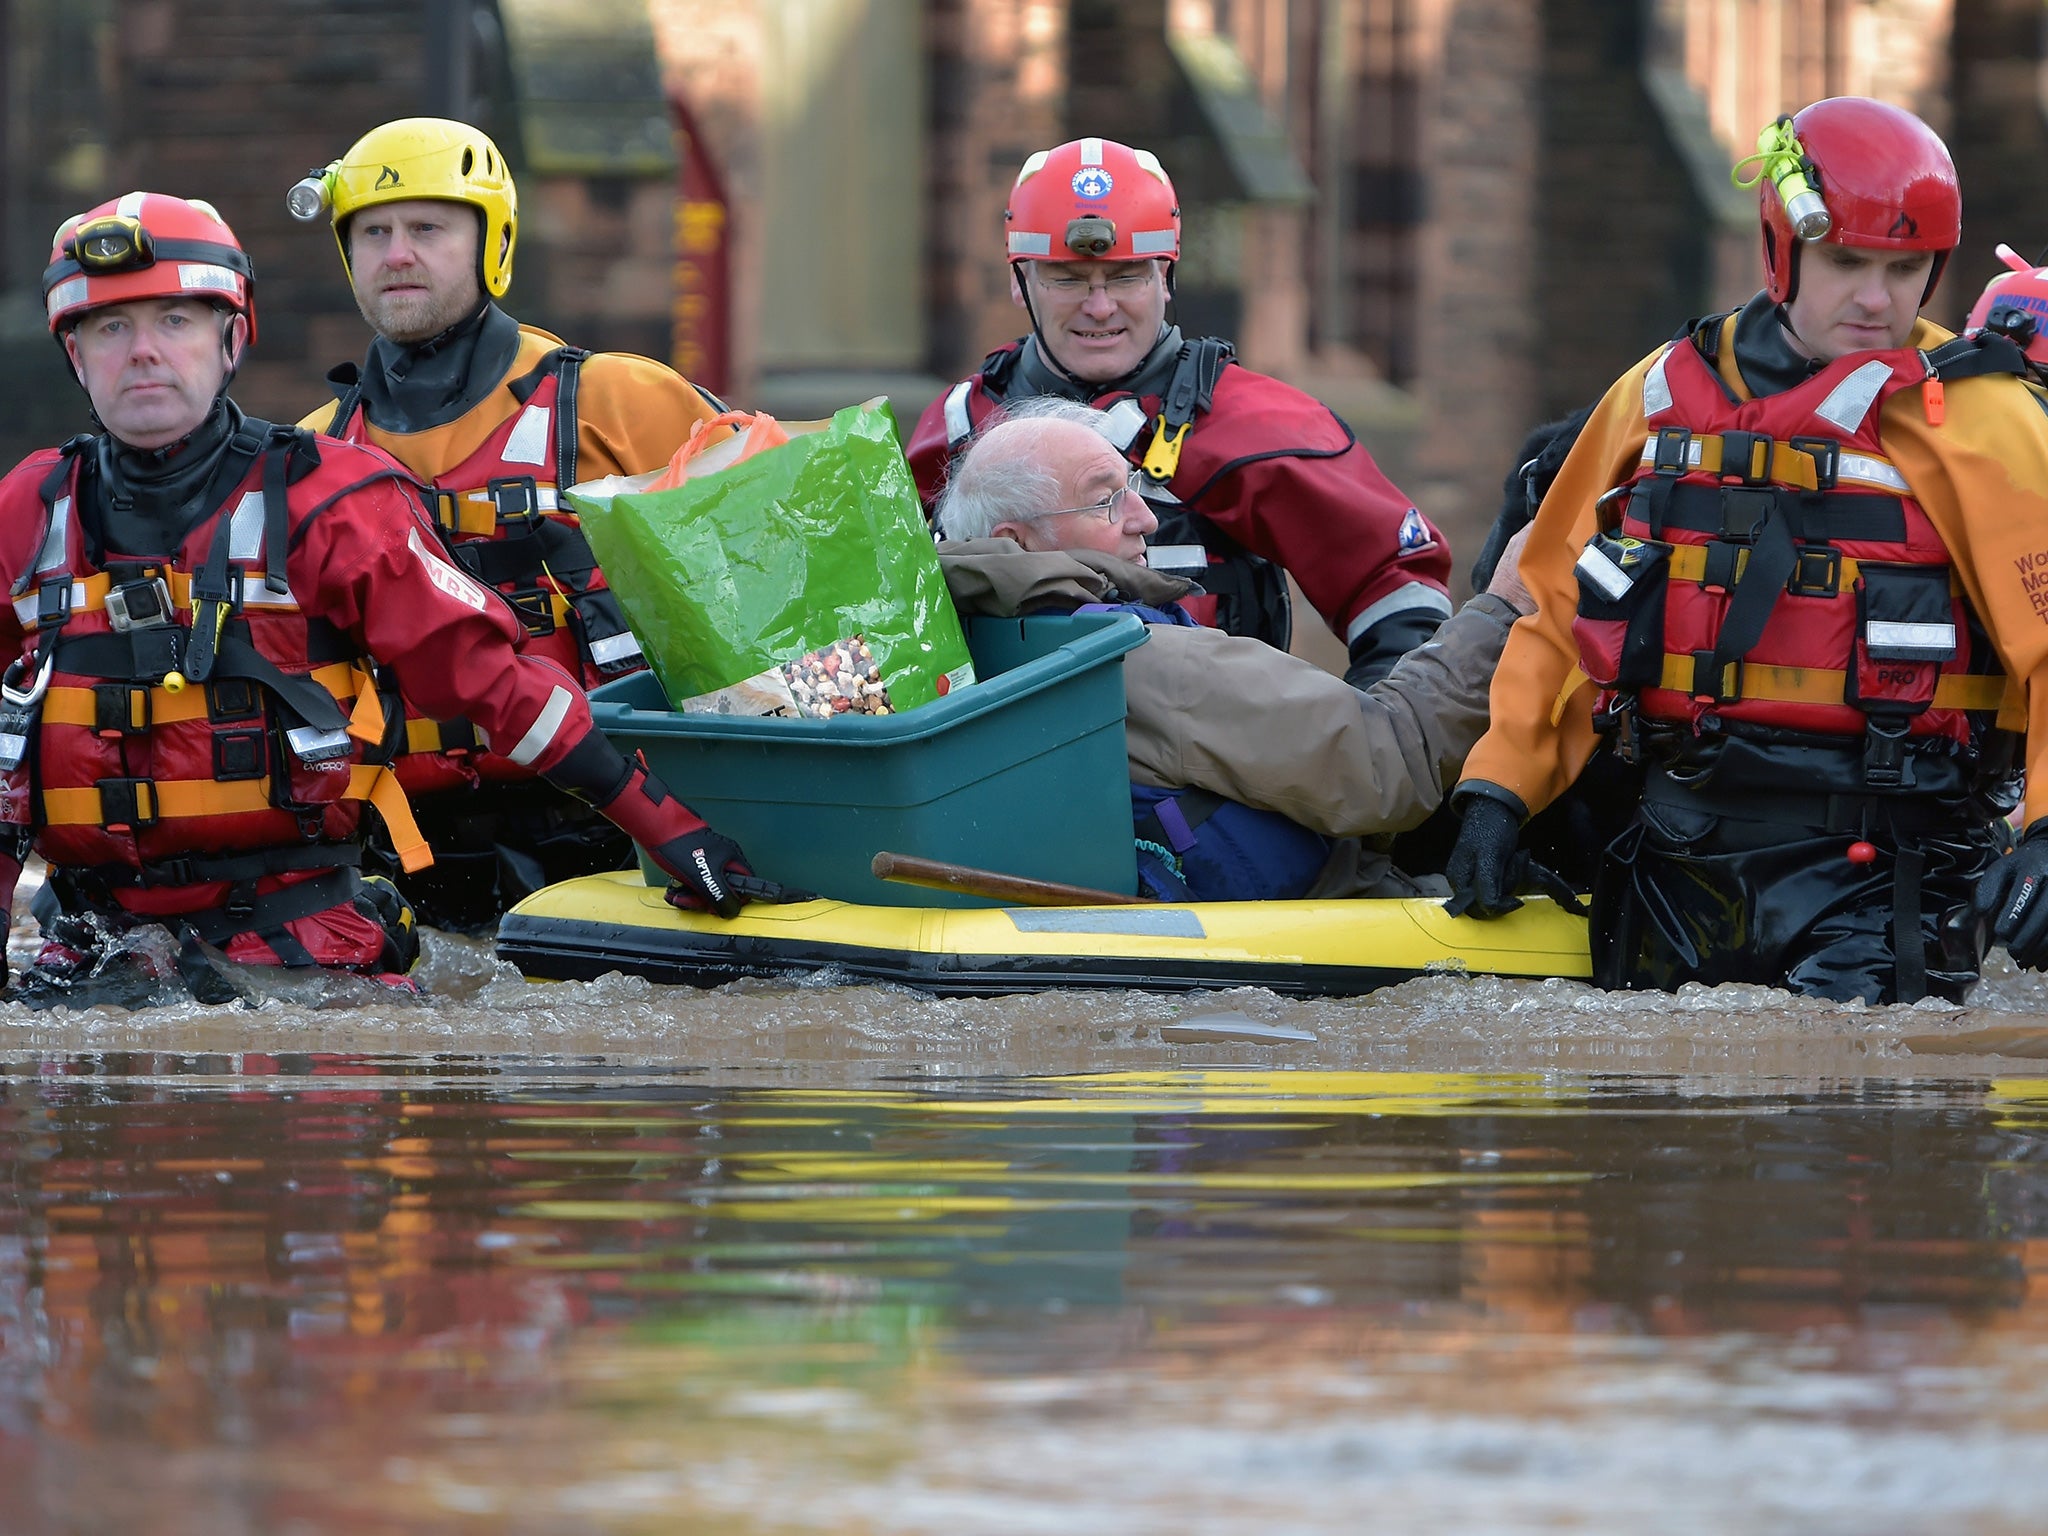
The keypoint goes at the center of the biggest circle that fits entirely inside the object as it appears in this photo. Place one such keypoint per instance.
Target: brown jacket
(1241, 719)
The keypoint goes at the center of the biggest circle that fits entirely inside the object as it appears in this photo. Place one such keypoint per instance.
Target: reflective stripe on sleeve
(1410, 596)
(541, 733)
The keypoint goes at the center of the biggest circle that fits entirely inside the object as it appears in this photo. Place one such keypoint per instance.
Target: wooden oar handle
(1015, 889)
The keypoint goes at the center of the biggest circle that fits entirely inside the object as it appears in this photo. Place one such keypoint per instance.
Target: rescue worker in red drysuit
(1263, 478)
(199, 602)
(1810, 542)
(496, 418)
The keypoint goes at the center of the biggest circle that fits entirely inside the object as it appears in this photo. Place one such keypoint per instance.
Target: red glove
(699, 861)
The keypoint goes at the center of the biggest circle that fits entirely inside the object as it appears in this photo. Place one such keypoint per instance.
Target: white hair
(1000, 476)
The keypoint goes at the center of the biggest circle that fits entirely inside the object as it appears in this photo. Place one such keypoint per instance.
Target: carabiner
(34, 695)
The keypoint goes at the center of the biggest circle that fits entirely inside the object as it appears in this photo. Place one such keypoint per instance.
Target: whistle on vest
(1162, 457)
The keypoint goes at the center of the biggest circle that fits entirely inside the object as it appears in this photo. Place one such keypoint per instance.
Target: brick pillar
(1999, 143)
(1478, 332)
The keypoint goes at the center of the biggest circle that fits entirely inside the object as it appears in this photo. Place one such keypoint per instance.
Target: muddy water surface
(1497, 1257)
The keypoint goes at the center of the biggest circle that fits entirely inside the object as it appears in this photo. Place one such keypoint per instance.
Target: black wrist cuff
(1484, 789)
(592, 771)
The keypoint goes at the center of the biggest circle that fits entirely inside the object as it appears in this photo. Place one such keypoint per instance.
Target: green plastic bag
(799, 581)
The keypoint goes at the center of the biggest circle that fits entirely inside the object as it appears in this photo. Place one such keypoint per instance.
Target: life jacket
(1242, 593)
(1196, 845)
(1767, 567)
(174, 730)
(499, 517)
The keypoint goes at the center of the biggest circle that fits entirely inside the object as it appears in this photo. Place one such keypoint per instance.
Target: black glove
(2012, 896)
(1484, 867)
(700, 862)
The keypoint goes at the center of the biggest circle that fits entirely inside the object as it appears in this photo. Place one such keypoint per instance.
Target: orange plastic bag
(707, 450)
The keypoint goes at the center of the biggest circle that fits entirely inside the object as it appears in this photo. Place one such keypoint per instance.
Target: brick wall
(1624, 254)
(233, 101)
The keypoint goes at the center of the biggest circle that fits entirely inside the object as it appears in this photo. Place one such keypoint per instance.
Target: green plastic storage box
(1023, 773)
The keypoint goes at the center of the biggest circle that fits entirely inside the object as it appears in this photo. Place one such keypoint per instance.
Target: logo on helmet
(1904, 227)
(1093, 183)
(387, 178)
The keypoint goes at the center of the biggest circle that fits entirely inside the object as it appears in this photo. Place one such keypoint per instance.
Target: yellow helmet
(421, 157)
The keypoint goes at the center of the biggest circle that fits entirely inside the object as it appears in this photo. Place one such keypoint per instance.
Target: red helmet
(1093, 200)
(146, 245)
(2015, 304)
(1886, 178)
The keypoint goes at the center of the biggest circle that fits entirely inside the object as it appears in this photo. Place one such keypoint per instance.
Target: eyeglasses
(1124, 285)
(1107, 508)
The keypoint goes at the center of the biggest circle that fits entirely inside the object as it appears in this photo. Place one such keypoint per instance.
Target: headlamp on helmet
(313, 194)
(115, 243)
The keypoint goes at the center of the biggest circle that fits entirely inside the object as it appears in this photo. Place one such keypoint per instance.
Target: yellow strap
(388, 796)
(422, 735)
(75, 706)
(474, 514)
(184, 799)
(366, 721)
(1820, 685)
(1688, 562)
(477, 513)
(1572, 685)
(1788, 465)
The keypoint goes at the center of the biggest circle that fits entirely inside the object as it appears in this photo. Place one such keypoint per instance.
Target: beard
(413, 317)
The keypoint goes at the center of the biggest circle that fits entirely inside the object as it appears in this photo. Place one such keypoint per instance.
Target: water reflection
(351, 1292)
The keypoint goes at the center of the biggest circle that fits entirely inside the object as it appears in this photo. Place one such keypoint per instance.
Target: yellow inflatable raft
(582, 929)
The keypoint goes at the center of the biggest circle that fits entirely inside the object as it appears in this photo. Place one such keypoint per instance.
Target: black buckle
(1815, 572)
(457, 736)
(238, 755)
(121, 709)
(232, 698)
(122, 804)
(1884, 753)
(1739, 453)
(1724, 565)
(516, 498)
(1674, 451)
(447, 509)
(1744, 513)
(1707, 679)
(241, 902)
(536, 610)
(1826, 454)
(157, 652)
(53, 602)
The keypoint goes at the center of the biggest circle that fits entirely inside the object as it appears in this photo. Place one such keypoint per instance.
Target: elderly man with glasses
(1254, 774)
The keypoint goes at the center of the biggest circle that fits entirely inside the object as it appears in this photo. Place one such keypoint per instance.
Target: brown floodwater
(1467, 1254)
